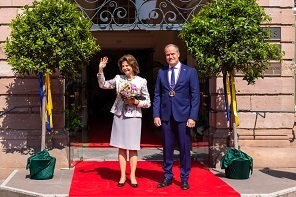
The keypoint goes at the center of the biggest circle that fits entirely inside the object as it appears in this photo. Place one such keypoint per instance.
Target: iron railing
(125, 15)
(30, 107)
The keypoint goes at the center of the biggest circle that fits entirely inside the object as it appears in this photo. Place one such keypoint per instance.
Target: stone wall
(266, 136)
(20, 129)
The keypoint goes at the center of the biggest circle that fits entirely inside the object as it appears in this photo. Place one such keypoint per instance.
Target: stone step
(110, 154)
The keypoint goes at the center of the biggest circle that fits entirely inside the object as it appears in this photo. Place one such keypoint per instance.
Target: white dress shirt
(176, 70)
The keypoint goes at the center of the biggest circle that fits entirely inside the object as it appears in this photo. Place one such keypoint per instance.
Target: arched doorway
(145, 38)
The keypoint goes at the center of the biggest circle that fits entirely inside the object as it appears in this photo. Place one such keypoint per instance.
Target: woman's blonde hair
(131, 60)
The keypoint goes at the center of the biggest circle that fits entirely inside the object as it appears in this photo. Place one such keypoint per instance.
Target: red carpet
(100, 179)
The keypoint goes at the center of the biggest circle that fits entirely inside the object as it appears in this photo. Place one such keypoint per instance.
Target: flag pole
(43, 117)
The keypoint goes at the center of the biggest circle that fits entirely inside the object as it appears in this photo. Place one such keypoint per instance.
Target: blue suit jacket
(185, 103)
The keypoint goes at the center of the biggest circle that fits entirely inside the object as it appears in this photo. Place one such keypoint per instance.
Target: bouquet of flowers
(128, 91)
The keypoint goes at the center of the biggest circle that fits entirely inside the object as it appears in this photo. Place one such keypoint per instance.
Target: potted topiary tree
(227, 36)
(50, 36)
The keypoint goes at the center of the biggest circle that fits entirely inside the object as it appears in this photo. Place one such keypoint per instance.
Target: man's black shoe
(165, 182)
(184, 185)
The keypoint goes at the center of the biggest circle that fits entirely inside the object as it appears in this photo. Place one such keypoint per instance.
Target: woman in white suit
(132, 95)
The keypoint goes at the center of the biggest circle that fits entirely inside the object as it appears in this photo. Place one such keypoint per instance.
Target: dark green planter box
(41, 165)
(42, 169)
(239, 169)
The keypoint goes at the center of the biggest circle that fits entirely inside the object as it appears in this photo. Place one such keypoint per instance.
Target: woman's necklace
(129, 79)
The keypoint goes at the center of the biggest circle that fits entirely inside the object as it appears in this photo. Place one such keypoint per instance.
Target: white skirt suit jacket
(119, 107)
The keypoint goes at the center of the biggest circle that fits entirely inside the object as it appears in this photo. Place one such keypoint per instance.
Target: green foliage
(50, 35)
(73, 120)
(227, 35)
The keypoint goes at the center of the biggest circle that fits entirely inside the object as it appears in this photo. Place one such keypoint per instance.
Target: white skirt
(126, 132)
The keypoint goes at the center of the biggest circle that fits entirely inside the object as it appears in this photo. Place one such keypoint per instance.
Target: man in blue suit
(175, 109)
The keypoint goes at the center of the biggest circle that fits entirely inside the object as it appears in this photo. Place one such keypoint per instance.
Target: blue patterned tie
(172, 76)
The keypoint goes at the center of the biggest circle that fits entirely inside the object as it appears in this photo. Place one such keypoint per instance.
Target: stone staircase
(110, 154)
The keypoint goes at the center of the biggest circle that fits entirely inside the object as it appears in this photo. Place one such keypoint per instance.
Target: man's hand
(190, 123)
(157, 122)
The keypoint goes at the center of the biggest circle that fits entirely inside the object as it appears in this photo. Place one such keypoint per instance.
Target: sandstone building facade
(266, 109)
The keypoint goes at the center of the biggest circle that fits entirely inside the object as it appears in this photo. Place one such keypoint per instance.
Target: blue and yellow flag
(49, 106)
(233, 100)
(227, 95)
